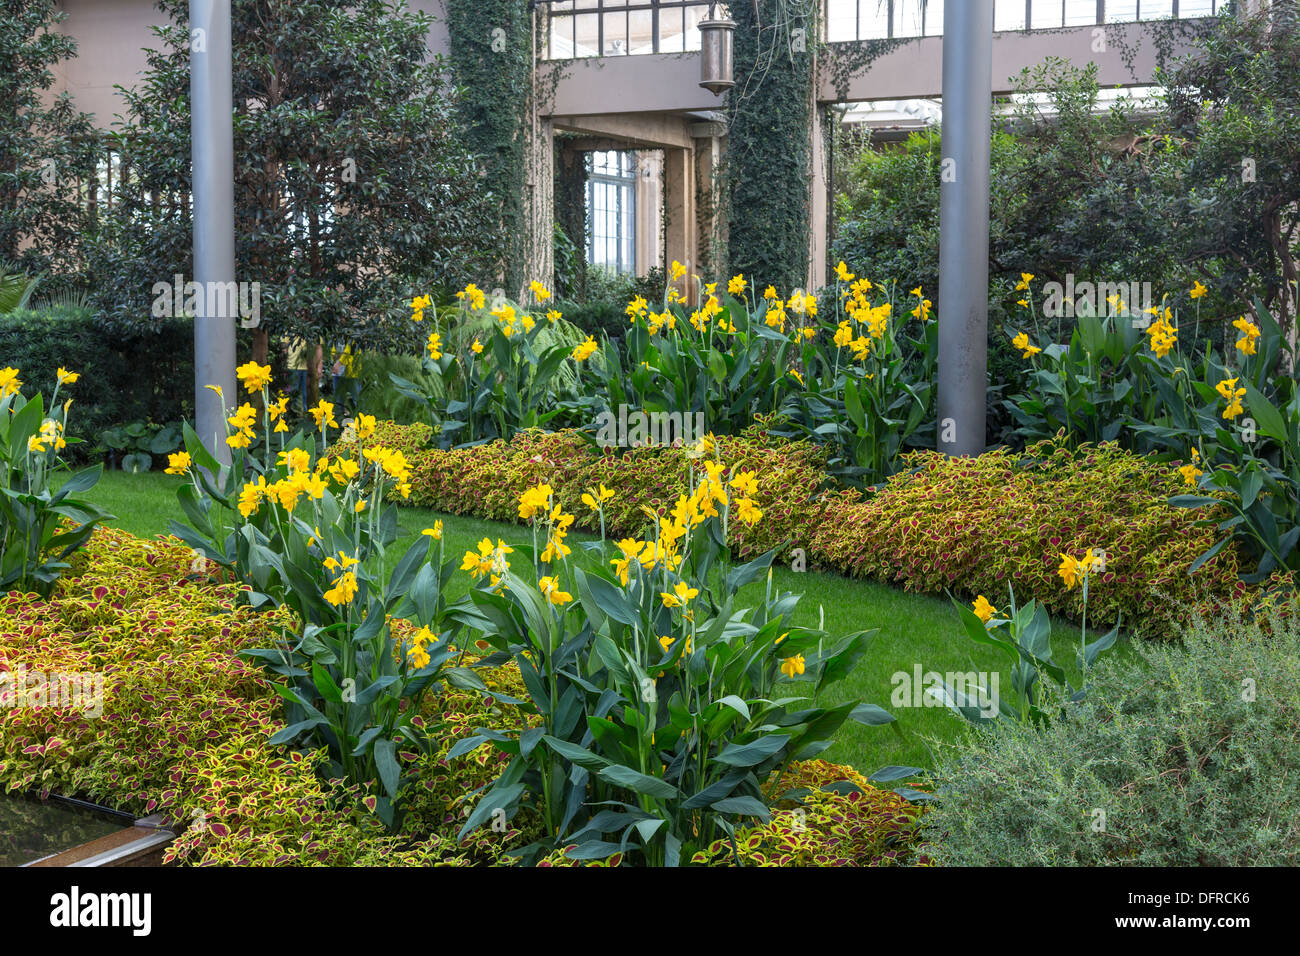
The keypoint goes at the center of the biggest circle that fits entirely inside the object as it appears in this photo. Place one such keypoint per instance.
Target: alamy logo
(640, 429)
(208, 300)
(21, 689)
(959, 689)
(75, 909)
(1095, 298)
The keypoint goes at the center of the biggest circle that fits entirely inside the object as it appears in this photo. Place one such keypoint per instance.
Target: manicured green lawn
(914, 630)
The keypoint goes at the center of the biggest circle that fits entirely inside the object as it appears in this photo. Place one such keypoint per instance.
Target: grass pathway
(914, 630)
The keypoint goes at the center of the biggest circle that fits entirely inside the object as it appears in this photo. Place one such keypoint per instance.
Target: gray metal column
(212, 132)
(964, 225)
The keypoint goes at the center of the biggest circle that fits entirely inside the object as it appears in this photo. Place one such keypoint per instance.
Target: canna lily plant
(493, 368)
(311, 533)
(660, 715)
(39, 527)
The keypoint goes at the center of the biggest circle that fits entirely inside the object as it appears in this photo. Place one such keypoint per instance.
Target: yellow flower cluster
(179, 463)
(417, 654)
(345, 580)
(1189, 471)
(242, 423)
(1232, 395)
(701, 317)
(585, 350)
(434, 345)
(538, 502)
(472, 296)
(418, 305)
(550, 588)
(394, 464)
(277, 411)
(1163, 334)
(1249, 333)
(983, 609)
(488, 560)
(596, 498)
(9, 382)
(323, 415)
(254, 377)
(50, 436)
(1075, 571)
(1021, 342)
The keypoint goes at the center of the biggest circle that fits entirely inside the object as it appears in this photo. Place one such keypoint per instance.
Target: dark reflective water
(31, 829)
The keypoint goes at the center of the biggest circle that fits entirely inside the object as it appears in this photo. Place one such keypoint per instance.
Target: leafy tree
(352, 190)
(47, 146)
(1238, 106)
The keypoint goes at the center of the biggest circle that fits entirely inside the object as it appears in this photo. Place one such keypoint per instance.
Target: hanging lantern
(715, 53)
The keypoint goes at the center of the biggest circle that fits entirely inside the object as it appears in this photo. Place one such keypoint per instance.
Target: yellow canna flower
(435, 532)
(343, 591)
(1021, 342)
(1197, 290)
(983, 609)
(68, 378)
(179, 463)
(682, 595)
(1249, 333)
(1233, 395)
(254, 377)
(584, 351)
(792, 666)
(9, 383)
(550, 587)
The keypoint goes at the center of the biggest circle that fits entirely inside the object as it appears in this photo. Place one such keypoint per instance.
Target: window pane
(907, 18)
(1196, 8)
(1080, 13)
(841, 20)
(1121, 11)
(693, 17)
(873, 15)
(561, 39)
(1156, 9)
(615, 33)
(671, 35)
(934, 18)
(1045, 14)
(1008, 14)
(587, 42)
(641, 31)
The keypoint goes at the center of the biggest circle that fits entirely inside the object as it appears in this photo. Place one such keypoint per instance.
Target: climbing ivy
(769, 151)
(491, 61)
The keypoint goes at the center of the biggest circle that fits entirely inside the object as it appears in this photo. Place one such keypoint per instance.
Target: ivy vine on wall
(769, 150)
(491, 61)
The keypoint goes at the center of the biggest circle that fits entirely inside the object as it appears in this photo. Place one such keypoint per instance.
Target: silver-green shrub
(1192, 759)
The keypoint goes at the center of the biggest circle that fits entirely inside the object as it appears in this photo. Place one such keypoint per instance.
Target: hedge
(186, 721)
(125, 378)
(966, 525)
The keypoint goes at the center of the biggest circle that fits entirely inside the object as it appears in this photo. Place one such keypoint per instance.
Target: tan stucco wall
(111, 37)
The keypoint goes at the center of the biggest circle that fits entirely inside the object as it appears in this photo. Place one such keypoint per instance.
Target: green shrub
(1006, 518)
(1191, 758)
(125, 378)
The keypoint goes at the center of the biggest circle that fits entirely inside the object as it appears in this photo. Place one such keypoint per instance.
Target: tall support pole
(213, 145)
(964, 225)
